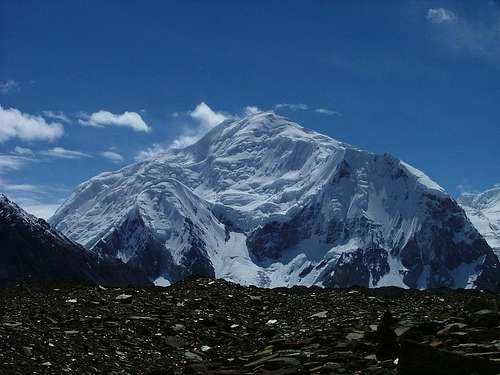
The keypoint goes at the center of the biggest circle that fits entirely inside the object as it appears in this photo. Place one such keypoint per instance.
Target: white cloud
(478, 37)
(206, 116)
(327, 112)
(22, 188)
(204, 119)
(35, 199)
(251, 110)
(57, 115)
(292, 107)
(151, 152)
(60, 152)
(131, 120)
(113, 156)
(36, 207)
(24, 151)
(8, 86)
(26, 127)
(304, 107)
(441, 15)
(11, 162)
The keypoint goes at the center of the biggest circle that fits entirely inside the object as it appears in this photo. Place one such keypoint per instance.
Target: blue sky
(90, 86)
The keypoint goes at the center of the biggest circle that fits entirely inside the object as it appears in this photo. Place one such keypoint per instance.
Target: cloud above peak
(194, 124)
(103, 118)
(205, 119)
(206, 116)
(26, 127)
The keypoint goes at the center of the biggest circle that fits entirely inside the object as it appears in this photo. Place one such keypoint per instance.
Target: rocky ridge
(30, 247)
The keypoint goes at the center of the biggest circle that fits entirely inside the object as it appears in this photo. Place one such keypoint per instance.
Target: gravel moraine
(206, 326)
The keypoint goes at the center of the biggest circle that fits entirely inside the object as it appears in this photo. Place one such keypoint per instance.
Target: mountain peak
(262, 200)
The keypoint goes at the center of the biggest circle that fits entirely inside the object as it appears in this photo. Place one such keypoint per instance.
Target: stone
(281, 362)
(193, 357)
(178, 327)
(388, 347)
(320, 315)
(28, 351)
(485, 318)
(418, 359)
(260, 361)
(453, 327)
(355, 336)
(124, 298)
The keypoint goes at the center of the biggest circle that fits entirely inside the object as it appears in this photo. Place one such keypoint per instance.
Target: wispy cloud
(20, 188)
(101, 119)
(440, 15)
(304, 107)
(478, 36)
(327, 112)
(12, 162)
(8, 86)
(112, 156)
(38, 200)
(62, 153)
(150, 152)
(26, 127)
(251, 110)
(24, 151)
(37, 208)
(57, 115)
(291, 107)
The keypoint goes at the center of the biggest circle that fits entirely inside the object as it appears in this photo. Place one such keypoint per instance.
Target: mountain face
(483, 210)
(30, 247)
(264, 201)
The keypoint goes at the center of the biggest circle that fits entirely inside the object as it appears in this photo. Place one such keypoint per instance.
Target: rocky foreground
(214, 327)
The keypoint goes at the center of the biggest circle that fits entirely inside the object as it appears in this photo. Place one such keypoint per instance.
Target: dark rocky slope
(207, 326)
(29, 247)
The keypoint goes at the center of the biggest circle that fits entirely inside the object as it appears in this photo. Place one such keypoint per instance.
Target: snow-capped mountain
(265, 201)
(30, 247)
(483, 210)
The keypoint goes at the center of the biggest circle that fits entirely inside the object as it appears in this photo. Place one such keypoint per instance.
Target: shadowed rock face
(264, 201)
(148, 253)
(31, 248)
(363, 267)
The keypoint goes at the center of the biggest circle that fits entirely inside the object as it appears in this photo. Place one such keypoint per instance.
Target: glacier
(263, 201)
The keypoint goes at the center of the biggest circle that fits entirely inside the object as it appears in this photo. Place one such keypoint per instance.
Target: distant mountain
(29, 247)
(483, 210)
(265, 201)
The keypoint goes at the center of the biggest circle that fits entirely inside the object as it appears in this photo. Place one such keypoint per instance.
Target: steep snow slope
(264, 201)
(483, 210)
(30, 247)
